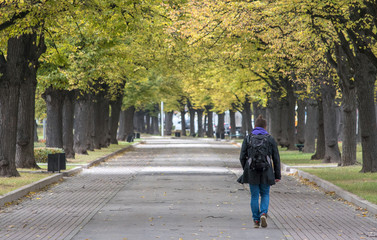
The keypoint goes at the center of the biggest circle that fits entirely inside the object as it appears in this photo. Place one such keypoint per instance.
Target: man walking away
(260, 161)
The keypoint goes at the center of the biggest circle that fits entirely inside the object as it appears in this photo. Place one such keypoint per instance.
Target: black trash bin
(137, 135)
(177, 134)
(130, 138)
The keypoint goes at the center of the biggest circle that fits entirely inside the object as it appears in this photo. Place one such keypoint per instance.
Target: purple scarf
(259, 131)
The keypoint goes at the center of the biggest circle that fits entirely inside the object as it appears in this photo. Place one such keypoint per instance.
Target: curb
(36, 186)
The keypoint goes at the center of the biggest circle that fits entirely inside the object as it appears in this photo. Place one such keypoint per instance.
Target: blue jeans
(264, 191)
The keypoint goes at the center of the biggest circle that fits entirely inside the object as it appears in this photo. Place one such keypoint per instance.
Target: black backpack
(258, 145)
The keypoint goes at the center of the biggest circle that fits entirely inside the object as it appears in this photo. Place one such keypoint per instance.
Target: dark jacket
(266, 177)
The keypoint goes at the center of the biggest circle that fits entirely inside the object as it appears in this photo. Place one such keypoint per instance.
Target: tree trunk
(141, 120)
(114, 119)
(129, 122)
(121, 131)
(26, 122)
(284, 142)
(349, 128)
(246, 117)
(192, 119)
(274, 109)
(257, 110)
(148, 120)
(310, 127)
(155, 127)
(54, 128)
(97, 132)
(321, 146)
(365, 83)
(232, 115)
(35, 131)
(169, 122)
(328, 92)
(301, 121)
(291, 128)
(68, 121)
(183, 123)
(200, 122)
(82, 125)
(340, 122)
(220, 125)
(105, 119)
(210, 122)
(10, 81)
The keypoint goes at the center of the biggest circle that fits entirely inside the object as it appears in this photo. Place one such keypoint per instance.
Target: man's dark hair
(260, 122)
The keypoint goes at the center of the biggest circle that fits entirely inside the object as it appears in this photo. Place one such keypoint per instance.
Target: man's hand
(277, 180)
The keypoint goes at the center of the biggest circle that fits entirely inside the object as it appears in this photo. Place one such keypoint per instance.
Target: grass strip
(10, 184)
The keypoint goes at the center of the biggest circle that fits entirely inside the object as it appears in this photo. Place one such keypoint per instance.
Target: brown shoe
(256, 224)
(263, 220)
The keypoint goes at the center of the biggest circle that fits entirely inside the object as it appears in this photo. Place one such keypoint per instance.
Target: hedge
(41, 154)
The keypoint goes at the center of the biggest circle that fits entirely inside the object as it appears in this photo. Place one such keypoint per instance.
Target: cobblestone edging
(36, 186)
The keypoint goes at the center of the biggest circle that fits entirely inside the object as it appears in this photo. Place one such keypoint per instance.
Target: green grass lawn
(13, 183)
(294, 158)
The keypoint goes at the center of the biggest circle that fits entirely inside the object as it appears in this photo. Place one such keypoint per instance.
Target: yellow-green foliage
(41, 154)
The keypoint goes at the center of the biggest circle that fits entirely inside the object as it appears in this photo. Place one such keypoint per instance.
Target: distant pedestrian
(261, 163)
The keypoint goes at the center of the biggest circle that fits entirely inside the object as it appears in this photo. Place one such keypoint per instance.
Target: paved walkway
(177, 189)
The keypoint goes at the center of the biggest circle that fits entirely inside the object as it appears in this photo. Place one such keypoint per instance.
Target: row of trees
(86, 60)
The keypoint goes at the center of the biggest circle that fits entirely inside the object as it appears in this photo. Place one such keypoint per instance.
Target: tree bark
(68, 122)
(13, 72)
(288, 117)
(54, 127)
(210, 122)
(310, 127)
(301, 121)
(116, 107)
(35, 131)
(365, 78)
(129, 122)
(183, 123)
(192, 119)
(349, 128)
(274, 109)
(155, 124)
(148, 121)
(141, 120)
(200, 122)
(121, 131)
(105, 119)
(82, 124)
(220, 125)
(246, 116)
(169, 122)
(97, 120)
(232, 115)
(321, 146)
(26, 122)
(328, 92)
